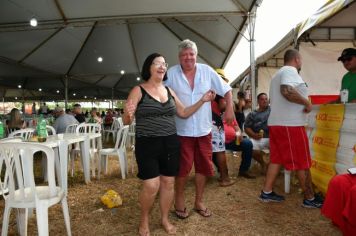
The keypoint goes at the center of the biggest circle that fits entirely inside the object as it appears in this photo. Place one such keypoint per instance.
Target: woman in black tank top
(157, 147)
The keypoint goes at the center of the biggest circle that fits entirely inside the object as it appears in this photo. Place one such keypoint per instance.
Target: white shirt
(199, 124)
(283, 112)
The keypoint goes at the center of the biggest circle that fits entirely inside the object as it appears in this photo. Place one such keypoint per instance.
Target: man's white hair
(187, 43)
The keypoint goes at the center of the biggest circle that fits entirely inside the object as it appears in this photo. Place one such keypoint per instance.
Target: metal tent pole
(66, 92)
(251, 30)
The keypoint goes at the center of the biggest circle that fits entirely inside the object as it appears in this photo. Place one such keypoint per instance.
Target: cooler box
(322, 99)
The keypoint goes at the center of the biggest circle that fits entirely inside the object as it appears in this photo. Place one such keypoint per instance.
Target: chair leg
(22, 220)
(42, 219)
(100, 163)
(66, 215)
(122, 163)
(72, 156)
(287, 181)
(5, 221)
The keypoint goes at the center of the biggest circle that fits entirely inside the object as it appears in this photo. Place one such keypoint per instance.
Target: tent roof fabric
(333, 22)
(71, 35)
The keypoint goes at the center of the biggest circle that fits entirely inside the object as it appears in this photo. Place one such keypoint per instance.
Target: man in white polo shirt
(190, 80)
(289, 145)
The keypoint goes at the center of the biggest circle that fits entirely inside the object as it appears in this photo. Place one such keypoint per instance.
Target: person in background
(33, 108)
(15, 122)
(239, 109)
(256, 128)
(157, 144)
(86, 114)
(348, 59)
(190, 80)
(44, 109)
(94, 116)
(218, 136)
(102, 115)
(289, 145)
(77, 111)
(62, 120)
(108, 118)
(236, 142)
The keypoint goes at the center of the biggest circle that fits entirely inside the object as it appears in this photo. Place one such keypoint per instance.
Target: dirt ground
(236, 209)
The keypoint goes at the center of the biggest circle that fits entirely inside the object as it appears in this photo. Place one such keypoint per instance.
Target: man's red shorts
(197, 150)
(289, 146)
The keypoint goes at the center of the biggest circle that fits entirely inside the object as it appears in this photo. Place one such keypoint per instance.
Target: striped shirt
(153, 118)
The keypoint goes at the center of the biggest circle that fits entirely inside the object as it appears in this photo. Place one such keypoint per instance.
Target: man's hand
(308, 107)
(208, 96)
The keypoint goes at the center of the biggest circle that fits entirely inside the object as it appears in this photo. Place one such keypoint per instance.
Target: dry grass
(236, 210)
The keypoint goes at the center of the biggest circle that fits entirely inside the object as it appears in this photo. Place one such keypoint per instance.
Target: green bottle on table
(42, 129)
(1, 130)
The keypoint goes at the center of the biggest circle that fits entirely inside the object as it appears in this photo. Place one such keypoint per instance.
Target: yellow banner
(325, 143)
(330, 116)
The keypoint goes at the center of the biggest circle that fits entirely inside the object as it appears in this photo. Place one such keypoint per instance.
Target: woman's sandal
(204, 213)
(182, 214)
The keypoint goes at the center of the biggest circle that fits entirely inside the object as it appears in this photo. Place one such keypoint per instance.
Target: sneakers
(315, 203)
(271, 197)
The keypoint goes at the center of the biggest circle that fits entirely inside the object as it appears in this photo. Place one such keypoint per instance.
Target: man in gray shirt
(256, 128)
(63, 120)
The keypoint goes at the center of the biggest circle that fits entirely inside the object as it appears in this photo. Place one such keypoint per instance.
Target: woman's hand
(208, 96)
(130, 109)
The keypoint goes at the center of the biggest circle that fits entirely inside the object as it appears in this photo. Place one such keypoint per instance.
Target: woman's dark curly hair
(146, 72)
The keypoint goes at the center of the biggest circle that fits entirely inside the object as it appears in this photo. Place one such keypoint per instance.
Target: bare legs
(258, 156)
(146, 198)
(200, 181)
(272, 173)
(305, 181)
(166, 194)
(304, 177)
(224, 173)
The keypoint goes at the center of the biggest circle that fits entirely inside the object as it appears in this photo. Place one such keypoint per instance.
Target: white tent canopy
(71, 35)
(320, 39)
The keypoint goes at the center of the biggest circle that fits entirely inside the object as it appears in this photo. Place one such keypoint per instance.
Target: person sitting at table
(94, 116)
(157, 145)
(62, 120)
(235, 142)
(256, 128)
(77, 110)
(340, 203)
(15, 122)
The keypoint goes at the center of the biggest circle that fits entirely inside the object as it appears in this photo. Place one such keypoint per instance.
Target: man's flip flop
(204, 213)
(182, 214)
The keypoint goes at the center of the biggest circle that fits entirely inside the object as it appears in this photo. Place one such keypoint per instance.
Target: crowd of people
(169, 142)
(62, 117)
(186, 116)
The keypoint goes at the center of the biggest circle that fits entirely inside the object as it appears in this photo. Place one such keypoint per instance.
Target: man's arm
(229, 110)
(292, 95)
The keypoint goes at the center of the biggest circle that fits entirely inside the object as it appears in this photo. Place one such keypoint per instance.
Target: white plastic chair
(115, 126)
(71, 128)
(50, 130)
(23, 193)
(86, 128)
(119, 150)
(131, 135)
(26, 134)
(4, 179)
